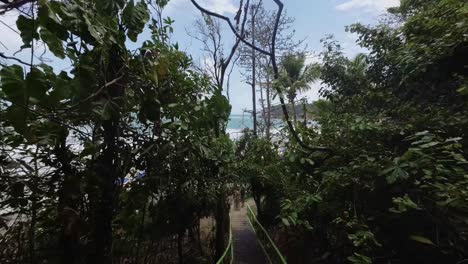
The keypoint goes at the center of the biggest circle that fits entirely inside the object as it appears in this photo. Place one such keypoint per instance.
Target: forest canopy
(125, 155)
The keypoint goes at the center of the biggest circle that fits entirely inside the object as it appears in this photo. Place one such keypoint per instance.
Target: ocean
(237, 123)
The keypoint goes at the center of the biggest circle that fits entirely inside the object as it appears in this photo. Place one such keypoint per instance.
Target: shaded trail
(247, 248)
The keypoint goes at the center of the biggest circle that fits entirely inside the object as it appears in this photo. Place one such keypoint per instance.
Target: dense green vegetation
(70, 138)
(393, 187)
(119, 158)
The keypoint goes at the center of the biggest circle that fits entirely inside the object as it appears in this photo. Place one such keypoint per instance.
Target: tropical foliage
(393, 187)
(120, 157)
(296, 77)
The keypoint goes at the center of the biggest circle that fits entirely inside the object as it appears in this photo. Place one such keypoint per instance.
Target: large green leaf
(22, 91)
(36, 85)
(134, 17)
(61, 88)
(109, 7)
(28, 30)
(53, 42)
(16, 117)
(421, 239)
(13, 84)
(48, 15)
(45, 12)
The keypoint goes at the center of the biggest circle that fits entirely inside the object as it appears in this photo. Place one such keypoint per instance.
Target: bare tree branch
(98, 92)
(208, 12)
(209, 33)
(273, 38)
(236, 45)
(15, 4)
(16, 59)
(272, 55)
(9, 27)
(239, 13)
(228, 83)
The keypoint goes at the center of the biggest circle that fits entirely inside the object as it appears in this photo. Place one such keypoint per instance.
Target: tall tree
(253, 14)
(209, 32)
(296, 77)
(271, 53)
(262, 23)
(217, 60)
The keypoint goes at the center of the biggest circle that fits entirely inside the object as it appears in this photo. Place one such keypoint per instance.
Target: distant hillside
(277, 112)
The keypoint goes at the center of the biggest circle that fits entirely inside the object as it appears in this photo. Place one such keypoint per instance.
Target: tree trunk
(19, 242)
(140, 233)
(262, 100)
(104, 206)
(304, 109)
(200, 246)
(254, 97)
(180, 249)
(108, 169)
(293, 105)
(258, 202)
(69, 204)
(268, 98)
(220, 218)
(32, 227)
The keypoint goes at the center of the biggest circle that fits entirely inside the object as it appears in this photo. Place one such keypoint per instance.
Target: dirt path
(247, 249)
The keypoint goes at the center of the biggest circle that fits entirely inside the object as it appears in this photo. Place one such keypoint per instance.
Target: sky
(314, 19)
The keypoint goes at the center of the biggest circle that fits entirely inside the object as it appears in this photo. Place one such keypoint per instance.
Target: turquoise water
(239, 122)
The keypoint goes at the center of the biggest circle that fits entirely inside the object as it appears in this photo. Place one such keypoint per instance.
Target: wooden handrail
(230, 247)
(251, 214)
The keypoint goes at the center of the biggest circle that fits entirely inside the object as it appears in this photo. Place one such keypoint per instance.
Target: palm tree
(296, 76)
(358, 65)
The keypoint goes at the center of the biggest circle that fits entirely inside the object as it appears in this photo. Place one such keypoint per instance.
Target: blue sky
(314, 20)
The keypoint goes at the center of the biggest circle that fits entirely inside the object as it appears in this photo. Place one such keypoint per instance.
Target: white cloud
(367, 5)
(350, 48)
(218, 6)
(221, 6)
(313, 93)
(313, 58)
